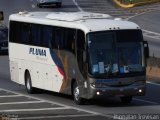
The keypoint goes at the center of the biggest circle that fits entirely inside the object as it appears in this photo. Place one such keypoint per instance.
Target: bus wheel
(77, 99)
(28, 83)
(126, 99)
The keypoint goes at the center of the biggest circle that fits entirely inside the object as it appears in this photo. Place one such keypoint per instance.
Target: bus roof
(86, 21)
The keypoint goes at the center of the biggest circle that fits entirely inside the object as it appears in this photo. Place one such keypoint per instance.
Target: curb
(122, 5)
(136, 4)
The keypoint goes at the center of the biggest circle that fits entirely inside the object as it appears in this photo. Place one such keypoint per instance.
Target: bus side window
(25, 33)
(15, 31)
(36, 34)
(63, 38)
(47, 36)
(70, 40)
(57, 41)
(52, 42)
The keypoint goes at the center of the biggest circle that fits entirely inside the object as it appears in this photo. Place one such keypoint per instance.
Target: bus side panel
(44, 72)
(14, 71)
(68, 62)
(71, 72)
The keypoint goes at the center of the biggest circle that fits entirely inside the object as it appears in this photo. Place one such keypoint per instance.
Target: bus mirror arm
(146, 49)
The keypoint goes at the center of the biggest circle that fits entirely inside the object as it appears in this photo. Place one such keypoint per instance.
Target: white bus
(87, 55)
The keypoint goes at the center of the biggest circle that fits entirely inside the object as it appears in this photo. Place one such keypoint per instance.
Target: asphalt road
(149, 22)
(16, 102)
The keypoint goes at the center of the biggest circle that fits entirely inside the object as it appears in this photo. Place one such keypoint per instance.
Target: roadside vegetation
(133, 3)
(136, 1)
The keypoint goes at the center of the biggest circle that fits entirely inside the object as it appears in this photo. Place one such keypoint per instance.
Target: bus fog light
(140, 91)
(98, 93)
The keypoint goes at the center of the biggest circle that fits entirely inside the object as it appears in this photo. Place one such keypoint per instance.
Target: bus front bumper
(117, 91)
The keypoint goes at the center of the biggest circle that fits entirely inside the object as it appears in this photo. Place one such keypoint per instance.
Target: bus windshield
(115, 52)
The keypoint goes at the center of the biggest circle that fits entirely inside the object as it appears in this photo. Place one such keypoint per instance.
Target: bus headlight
(98, 93)
(93, 85)
(140, 91)
(97, 85)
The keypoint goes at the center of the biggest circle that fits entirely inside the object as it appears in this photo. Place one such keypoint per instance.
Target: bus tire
(126, 99)
(28, 83)
(77, 99)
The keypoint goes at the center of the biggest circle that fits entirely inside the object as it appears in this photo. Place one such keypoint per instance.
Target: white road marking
(26, 102)
(147, 33)
(153, 83)
(28, 110)
(58, 116)
(146, 101)
(151, 34)
(40, 99)
(79, 8)
(43, 100)
(6, 96)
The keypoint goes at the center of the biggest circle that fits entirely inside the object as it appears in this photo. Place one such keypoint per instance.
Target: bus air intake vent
(76, 16)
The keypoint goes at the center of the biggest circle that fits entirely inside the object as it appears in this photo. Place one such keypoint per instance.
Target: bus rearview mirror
(146, 49)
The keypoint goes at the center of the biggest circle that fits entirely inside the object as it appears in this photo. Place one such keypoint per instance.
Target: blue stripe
(106, 80)
(56, 60)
